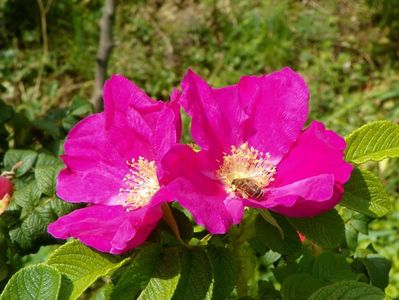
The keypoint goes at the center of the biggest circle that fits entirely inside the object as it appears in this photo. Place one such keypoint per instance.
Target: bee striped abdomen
(248, 188)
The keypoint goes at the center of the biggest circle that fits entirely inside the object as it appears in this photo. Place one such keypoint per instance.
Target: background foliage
(347, 51)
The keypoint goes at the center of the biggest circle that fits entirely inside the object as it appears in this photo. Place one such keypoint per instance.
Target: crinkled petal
(208, 203)
(120, 95)
(277, 104)
(98, 147)
(94, 168)
(107, 228)
(303, 208)
(218, 120)
(303, 198)
(317, 151)
(130, 116)
(195, 189)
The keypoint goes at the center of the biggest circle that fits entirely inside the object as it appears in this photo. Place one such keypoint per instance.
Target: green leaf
(332, 267)
(47, 127)
(163, 283)
(270, 219)
(46, 177)
(80, 107)
(225, 271)
(27, 196)
(360, 222)
(326, 230)
(31, 230)
(33, 282)
(196, 276)
(348, 290)
(282, 272)
(6, 112)
(137, 274)
(365, 193)
(269, 236)
(300, 287)
(103, 293)
(60, 207)
(81, 266)
(27, 157)
(375, 141)
(351, 235)
(377, 270)
(44, 159)
(21, 237)
(267, 291)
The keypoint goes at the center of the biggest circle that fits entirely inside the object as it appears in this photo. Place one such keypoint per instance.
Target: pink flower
(112, 163)
(255, 152)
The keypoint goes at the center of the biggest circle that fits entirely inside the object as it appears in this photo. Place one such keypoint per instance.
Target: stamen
(141, 183)
(246, 162)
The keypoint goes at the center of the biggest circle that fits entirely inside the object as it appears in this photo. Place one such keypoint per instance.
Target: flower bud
(6, 187)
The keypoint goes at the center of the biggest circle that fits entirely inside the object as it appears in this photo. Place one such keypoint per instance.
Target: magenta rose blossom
(254, 152)
(113, 163)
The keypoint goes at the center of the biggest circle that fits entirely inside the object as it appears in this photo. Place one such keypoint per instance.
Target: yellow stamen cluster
(141, 183)
(246, 162)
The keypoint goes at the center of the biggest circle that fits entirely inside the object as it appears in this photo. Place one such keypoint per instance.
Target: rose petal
(277, 104)
(208, 203)
(317, 151)
(194, 188)
(107, 228)
(217, 118)
(94, 170)
(303, 198)
(303, 208)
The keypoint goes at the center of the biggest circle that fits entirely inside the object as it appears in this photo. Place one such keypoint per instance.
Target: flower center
(141, 183)
(246, 171)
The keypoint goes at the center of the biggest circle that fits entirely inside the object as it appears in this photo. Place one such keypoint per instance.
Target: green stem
(170, 219)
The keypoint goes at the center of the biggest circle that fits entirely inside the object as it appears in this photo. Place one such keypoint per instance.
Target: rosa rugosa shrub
(262, 206)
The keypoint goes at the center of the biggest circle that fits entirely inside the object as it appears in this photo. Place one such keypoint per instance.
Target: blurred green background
(347, 51)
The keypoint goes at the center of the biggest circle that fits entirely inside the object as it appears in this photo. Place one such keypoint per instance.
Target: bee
(248, 188)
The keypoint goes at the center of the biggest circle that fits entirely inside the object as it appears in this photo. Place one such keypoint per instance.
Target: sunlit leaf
(365, 193)
(33, 283)
(348, 290)
(375, 141)
(81, 266)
